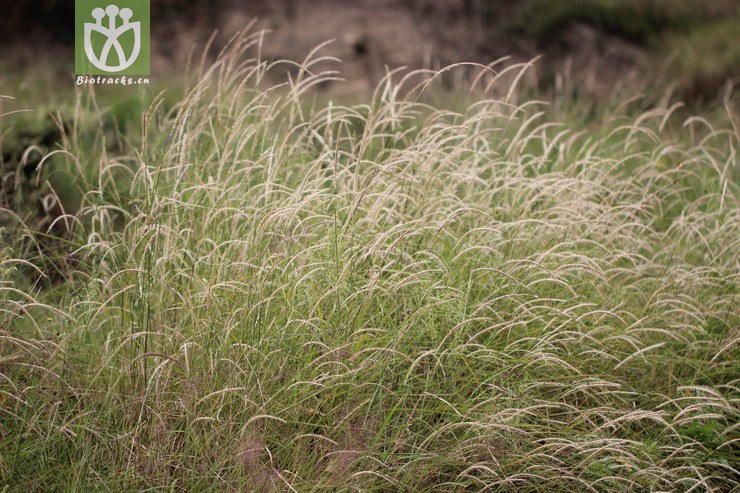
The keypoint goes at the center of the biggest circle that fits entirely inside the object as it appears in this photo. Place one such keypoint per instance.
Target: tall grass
(273, 296)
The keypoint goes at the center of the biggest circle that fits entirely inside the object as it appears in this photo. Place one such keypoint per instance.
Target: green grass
(384, 297)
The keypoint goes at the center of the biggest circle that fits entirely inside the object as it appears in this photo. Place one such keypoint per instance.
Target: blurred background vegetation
(687, 47)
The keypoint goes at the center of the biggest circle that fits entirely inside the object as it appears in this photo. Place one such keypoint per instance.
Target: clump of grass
(384, 297)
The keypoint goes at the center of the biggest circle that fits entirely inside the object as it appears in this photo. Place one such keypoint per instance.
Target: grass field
(253, 292)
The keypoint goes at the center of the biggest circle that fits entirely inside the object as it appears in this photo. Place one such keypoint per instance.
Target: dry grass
(385, 297)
